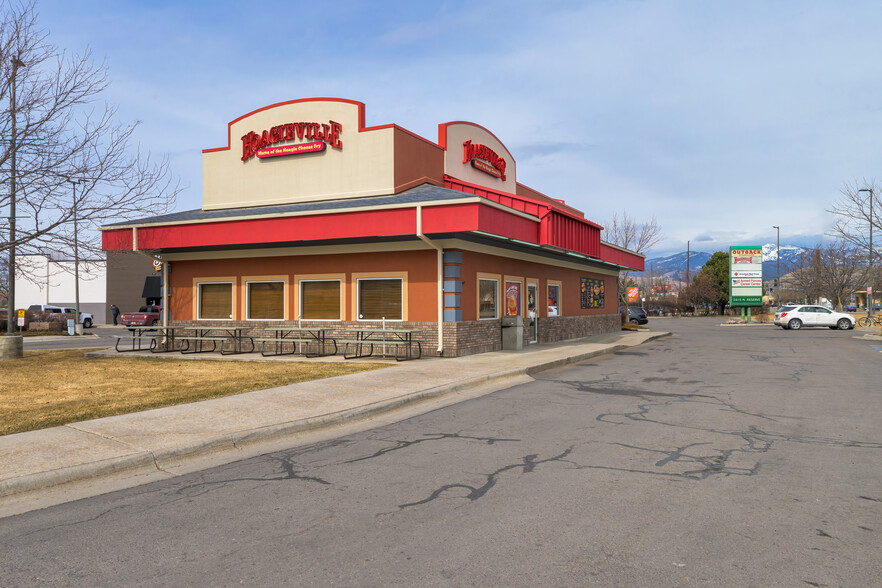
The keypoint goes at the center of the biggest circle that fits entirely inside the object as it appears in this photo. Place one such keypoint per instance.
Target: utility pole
(871, 293)
(78, 324)
(688, 255)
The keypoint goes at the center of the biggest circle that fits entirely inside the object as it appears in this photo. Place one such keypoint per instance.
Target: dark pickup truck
(145, 317)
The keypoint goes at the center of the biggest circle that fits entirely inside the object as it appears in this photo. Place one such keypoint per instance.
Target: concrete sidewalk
(158, 439)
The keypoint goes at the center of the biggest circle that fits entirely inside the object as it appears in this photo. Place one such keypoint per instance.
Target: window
(488, 297)
(512, 298)
(266, 300)
(553, 300)
(215, 301)
(320, 299)
(380, 298)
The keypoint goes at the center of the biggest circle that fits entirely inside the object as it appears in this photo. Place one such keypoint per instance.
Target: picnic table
(280, 338)
(367, 339)
(165, 339)
(137, 337)
(203, 336)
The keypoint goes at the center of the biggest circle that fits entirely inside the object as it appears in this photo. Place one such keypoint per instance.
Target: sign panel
(633, 293)
(512, 298)
(593, 293)
(297, 149)
(745, 275)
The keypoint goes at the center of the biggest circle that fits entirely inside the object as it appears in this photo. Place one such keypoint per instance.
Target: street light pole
(872, 275)
(78, 323)
(10, 304)
(778, 268)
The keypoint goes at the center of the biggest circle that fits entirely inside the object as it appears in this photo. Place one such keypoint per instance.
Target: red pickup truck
(145, 317)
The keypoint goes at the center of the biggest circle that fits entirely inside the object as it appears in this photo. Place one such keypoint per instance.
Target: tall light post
(778, 267)
(10, 317)
(872, 275)
(78, 324)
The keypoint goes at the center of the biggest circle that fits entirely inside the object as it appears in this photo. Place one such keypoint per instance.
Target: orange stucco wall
(420, 285)
(475, 263)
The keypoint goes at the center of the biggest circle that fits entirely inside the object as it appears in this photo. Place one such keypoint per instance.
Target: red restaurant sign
(483, 158)
(329, 133)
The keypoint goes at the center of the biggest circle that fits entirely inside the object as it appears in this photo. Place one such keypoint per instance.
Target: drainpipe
(419, 233)
(164, 275)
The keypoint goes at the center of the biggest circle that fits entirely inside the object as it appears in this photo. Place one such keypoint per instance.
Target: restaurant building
(310, 217)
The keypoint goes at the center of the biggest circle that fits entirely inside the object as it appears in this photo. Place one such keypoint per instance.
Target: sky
(718, 119)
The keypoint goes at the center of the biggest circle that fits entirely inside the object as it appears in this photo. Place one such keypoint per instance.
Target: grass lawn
(49, 388)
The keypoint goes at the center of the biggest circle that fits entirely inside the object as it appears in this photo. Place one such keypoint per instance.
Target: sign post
(745, 277)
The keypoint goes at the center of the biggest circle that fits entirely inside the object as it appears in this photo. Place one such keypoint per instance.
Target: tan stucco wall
(459, 132)
(363, 167)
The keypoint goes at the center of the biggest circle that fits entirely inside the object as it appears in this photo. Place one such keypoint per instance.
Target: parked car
(636, 315)
(85, 317)
(808, 315)
(850, 308)
(145, 317)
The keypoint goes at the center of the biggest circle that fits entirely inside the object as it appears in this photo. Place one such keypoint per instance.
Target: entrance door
(532, 299)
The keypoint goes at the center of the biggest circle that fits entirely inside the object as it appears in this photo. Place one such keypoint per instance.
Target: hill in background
(673, 267)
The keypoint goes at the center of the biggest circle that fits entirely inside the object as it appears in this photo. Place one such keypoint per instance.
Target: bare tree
(830, 271)
(702, 293)
(64, 134)
(626, 232)
(853, 213)
(803, 274)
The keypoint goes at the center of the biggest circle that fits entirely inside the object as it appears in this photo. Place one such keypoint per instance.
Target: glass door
(532, 298)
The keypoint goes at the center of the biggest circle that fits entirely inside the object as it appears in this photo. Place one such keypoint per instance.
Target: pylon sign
(745, 275)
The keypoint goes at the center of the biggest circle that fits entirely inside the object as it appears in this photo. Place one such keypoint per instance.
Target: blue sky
(719, 118)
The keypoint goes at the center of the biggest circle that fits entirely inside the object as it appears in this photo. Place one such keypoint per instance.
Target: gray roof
(418, 195)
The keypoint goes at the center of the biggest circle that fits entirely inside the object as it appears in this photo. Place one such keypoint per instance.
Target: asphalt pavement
(165, 440)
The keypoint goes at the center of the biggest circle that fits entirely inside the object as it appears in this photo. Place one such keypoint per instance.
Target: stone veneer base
(460, 338)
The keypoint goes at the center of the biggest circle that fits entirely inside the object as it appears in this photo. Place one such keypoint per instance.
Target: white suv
(797, 316)
(85, 317)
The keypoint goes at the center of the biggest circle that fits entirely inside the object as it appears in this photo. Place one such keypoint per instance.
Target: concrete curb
(144, 458)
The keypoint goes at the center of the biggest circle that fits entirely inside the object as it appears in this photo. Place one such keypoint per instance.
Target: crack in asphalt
(527, 465)
(428, 437)
(713, 464)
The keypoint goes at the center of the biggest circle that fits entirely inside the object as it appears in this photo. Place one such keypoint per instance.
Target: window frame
(300, 281)
(197, 300)
(265, 280)
(559, 285)
(357, 284)
(496, 279)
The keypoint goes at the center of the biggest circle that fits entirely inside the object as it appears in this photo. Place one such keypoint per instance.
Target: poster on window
(512, 299)
(593, 294)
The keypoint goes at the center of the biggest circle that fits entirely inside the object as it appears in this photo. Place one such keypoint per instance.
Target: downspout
(164, 275)
(440, 280)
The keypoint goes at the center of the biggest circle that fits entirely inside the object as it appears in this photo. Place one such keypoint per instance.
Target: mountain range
(673, 267)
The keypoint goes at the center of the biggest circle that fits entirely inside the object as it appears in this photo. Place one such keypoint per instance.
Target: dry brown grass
(50, 388)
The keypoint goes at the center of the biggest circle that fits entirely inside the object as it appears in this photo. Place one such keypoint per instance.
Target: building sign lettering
(311, 131)
(296, 149)
(483, 158)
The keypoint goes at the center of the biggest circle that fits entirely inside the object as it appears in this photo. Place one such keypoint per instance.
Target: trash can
(512, 333)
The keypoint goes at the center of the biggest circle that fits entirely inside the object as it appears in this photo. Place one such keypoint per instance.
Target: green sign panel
(746, 301)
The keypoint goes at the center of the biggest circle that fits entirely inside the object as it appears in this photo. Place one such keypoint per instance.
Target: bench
(278, 346)
(198, 346)
(135, 341)
(397, 344)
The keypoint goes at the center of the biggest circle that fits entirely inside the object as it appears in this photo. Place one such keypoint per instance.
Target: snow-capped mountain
(673, 267)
